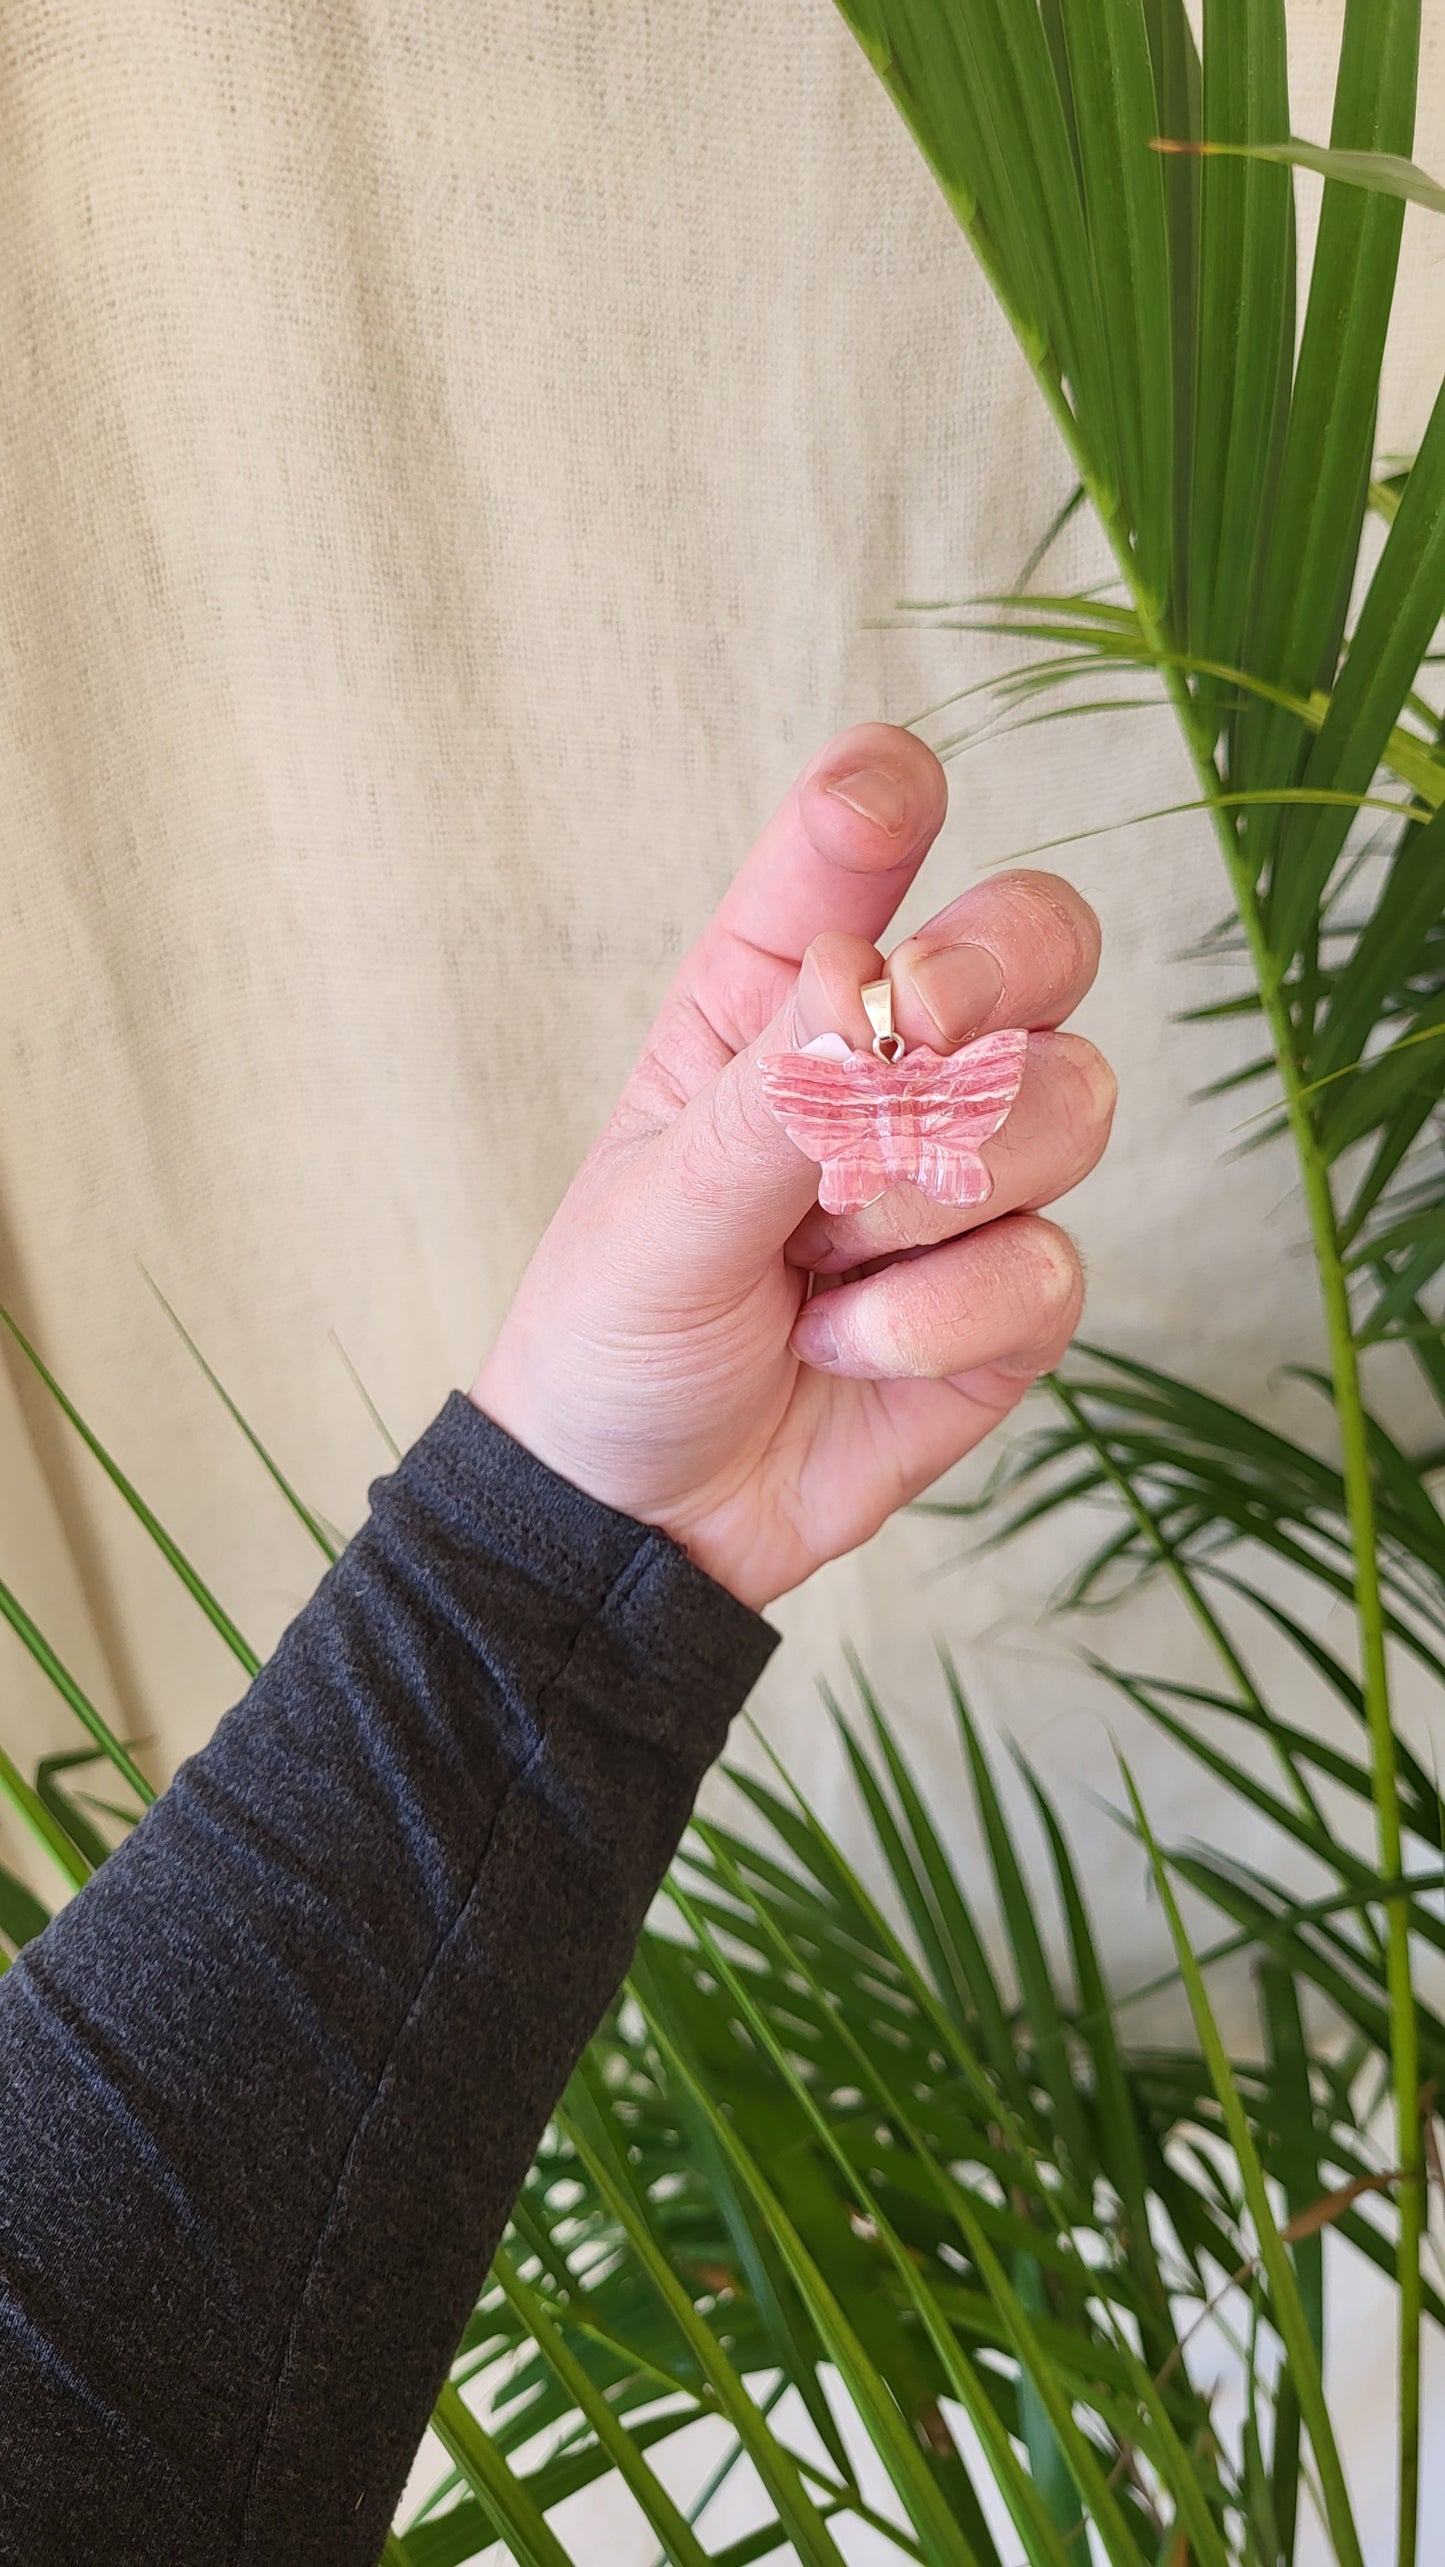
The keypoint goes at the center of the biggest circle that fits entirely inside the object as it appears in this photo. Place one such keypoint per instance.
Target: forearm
(272, 2081)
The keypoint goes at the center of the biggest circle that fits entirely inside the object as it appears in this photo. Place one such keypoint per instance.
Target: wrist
(599, 1470)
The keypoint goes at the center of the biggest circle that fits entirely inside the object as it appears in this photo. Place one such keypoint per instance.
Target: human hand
(663, 1352)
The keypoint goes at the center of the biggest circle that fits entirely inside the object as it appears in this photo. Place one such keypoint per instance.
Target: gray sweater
(270, 2083)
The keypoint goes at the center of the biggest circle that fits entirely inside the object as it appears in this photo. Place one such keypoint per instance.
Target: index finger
(844, 846)
(840, 853)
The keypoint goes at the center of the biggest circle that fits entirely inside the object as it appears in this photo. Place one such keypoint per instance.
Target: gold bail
(877, 997)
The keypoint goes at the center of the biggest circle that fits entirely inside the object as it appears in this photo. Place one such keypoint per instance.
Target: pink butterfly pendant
(872, 1123)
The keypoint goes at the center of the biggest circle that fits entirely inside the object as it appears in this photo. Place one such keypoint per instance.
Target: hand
(663, 1352)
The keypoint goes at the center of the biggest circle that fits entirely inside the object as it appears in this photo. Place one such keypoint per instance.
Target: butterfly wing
(958, 1099)
(824, 1106)
(829, 1108)
(854, 1177)
(951, 1176)
(950, 1104)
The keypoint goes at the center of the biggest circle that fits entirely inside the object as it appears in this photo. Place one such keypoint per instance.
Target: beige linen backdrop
(456, 462)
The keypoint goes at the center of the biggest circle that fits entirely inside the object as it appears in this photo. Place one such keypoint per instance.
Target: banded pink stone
(919, 1121)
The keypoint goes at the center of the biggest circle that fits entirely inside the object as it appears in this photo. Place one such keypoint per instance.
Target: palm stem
(1375, 1680)
(1344, 1356)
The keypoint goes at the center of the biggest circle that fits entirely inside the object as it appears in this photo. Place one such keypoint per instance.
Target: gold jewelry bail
(877, 997)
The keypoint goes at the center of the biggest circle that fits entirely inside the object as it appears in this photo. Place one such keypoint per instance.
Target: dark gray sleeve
(269, 2084)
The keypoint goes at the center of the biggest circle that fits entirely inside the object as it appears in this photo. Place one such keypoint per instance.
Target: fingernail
(1026, 1367)
(959, 986)
(813, 1337)
(875, 795)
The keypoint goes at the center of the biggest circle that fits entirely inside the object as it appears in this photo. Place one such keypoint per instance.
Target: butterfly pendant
(872, 1123)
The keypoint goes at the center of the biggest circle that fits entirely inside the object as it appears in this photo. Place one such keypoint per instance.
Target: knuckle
(1062, 919)
(1055, 1276)
(698, 1154)
(1083, 1095)
(899, 1220)
(867, 1330)
(752, 1128)
(942, 1307)
(892, 1330)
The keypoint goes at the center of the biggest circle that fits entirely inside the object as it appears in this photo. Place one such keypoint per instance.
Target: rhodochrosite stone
(872, 1123)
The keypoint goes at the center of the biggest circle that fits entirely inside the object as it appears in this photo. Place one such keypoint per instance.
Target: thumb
(726, 1188)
